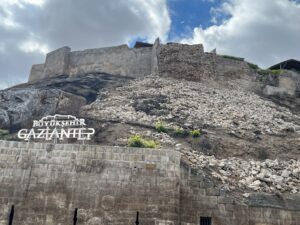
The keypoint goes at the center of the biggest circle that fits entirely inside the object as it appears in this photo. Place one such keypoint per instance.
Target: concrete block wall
(108, 185)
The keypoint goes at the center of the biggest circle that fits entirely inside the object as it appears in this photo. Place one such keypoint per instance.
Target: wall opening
(205, 220)
(11, 215)
(137, 218)
(75, 216)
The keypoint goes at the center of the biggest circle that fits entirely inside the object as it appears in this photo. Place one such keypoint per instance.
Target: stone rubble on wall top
(259, 176)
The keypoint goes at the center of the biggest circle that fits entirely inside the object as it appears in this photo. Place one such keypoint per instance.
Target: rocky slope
(249, 142)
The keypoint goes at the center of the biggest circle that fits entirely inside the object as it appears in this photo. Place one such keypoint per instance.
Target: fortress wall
(119, 60)
(45, 183)
(200, 198)
(231, 68)
(37, 72)
(183, 61)
(57, 62)
(190, 62)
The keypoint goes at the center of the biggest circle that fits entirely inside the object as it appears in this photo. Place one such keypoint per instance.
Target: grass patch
(269, 72)
(195, 133)
(253, 66)
(180, 132)
(3, 133)
(139, 142)
(161, 127)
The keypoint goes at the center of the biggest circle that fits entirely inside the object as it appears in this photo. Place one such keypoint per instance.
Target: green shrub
(232, 57)
(268, 72)
(3, 132)
(253, 66)
(161, 127)
(195, 133)
(139, 142)
(180, 132)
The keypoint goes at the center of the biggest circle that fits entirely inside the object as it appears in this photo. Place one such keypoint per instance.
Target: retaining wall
(108, 185)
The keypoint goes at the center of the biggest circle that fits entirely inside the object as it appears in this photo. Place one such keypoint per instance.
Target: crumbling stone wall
(174, 60)
(199, 197)
(190, 62)
(184, 62)
(231, 68)
(108, 185)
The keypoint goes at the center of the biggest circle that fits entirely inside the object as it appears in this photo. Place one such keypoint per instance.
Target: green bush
(195, 133)
(180, 132)
(232, 57)
(139, 142)
(268, 72)
(161, 127)
(253, 66)
(3, 132)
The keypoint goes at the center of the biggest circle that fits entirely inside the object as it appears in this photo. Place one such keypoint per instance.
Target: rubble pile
(259, 176)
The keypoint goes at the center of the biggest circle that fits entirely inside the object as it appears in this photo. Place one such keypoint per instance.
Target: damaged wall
(108, 185)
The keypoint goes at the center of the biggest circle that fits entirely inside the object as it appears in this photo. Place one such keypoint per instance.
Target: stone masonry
(176, 60)
(108, 185)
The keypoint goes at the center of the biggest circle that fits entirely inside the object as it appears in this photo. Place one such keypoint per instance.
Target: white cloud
(262, 31)
(30, 28)
(34, 46)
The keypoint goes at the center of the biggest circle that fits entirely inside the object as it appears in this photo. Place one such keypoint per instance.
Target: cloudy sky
(262, 31)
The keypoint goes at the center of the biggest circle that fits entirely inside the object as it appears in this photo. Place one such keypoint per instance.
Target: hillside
(248, 119)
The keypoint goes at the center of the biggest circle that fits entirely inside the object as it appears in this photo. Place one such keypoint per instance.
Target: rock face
(21, 104)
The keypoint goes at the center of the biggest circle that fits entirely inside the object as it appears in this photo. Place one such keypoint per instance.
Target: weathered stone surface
(21, 104)
(235, 122)
(48, 190)
(18, 107)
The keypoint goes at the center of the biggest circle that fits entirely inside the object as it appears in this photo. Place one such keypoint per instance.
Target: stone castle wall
(119, 60)
(108, 185)
(175, 60)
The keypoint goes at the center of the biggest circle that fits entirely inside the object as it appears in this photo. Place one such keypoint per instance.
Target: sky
(263, 32)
